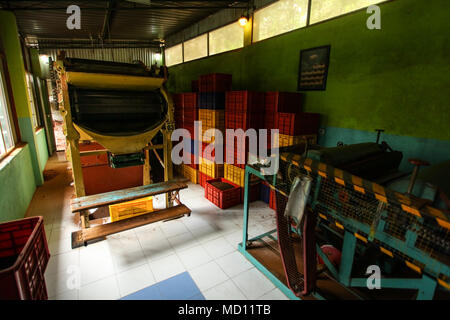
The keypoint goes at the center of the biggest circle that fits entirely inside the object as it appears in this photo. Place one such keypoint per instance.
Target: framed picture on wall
(313, 68)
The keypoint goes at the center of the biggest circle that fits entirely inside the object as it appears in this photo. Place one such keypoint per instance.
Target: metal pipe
(413, 179)
(156, 154)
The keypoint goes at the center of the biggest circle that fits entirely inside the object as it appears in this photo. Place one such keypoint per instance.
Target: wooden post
(84, 217)
(72, 140)
(146, 178)
(167, 142)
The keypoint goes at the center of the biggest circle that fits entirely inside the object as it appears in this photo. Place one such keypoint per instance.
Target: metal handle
(417, 163)
(379, 131)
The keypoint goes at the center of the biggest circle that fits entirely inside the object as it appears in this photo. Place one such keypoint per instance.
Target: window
(6, 127)
(226, 38)
(32, 101)
(279, 17)
(326, 9)
(196, 48)
(174, 55)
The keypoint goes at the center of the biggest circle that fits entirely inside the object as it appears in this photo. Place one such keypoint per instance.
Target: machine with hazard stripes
(350, 225)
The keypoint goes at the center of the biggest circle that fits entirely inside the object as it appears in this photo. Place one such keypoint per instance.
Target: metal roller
(117, 113)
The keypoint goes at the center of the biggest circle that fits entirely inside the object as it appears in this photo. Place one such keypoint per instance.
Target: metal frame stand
(425, 285)
(242, 247)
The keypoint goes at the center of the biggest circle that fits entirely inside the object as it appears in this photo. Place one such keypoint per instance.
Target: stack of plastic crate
(208, 166)
(211, 114)
(222, 192)
(284, 112)
(194, 85)
(178, 109)
(243, 110)
(190, 111)
(190, 115)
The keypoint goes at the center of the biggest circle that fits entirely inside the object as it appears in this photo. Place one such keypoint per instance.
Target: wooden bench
(83, 204)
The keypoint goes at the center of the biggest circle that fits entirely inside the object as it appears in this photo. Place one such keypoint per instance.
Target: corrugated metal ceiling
(127, 20)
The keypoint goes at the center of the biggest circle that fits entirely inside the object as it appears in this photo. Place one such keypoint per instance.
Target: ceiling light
(243, 21)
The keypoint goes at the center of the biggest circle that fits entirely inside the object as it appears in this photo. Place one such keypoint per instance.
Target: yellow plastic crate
(190, 173)
(130, 209)
(210, 168)
(236, 175)
(211, 119)
(285, 140)
(178, 168)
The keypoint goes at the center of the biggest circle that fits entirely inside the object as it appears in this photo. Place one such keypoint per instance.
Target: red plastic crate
(202, 178)
(178, 124)
(211, 157)
(194, 85)
(253, 192)
(177, 99)
(290, 102)
(223, 198)
(239, 158)
(244, 121)
(294, 124)
(270, 120)
(233, 153)
(178, 109)
(189, 100)
(189, 116)
(191, 130)
(272, 200)
(24, 257)
(192, 164)
(244, 102)
(215, 82)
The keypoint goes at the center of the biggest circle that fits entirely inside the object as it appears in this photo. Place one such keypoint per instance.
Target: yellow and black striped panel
(388, 251)
(408, 205)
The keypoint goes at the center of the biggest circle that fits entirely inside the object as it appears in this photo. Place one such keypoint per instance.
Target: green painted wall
(11, 45)
(395, 78)
(41, 143)
(41, 71)
(16, 184)
(21, 171)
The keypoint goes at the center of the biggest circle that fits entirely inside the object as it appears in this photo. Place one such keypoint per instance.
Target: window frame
(11, 110)
(206, 35)
(182, 54)
(308, 18)
(308, 13)
(338, 16)
(35, 104)
(218, 28)
(252, 40)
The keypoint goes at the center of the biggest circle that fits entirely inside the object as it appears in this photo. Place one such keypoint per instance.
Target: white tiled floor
(135, 279)
(204, 244)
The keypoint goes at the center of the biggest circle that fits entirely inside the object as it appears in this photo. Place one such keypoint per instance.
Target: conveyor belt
(117, 113)
(399, 226)
(98, 66)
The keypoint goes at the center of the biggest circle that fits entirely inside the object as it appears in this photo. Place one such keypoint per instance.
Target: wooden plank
(156, 146)
(107, 198)
(92, 152)
(80, 237)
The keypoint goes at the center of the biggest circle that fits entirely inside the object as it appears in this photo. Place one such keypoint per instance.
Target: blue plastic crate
(192, 143)
(265, 193)
(211, 100)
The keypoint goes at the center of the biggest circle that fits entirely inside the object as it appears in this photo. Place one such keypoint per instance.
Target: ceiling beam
(56, 43)
(33, 5)
(106, 31)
